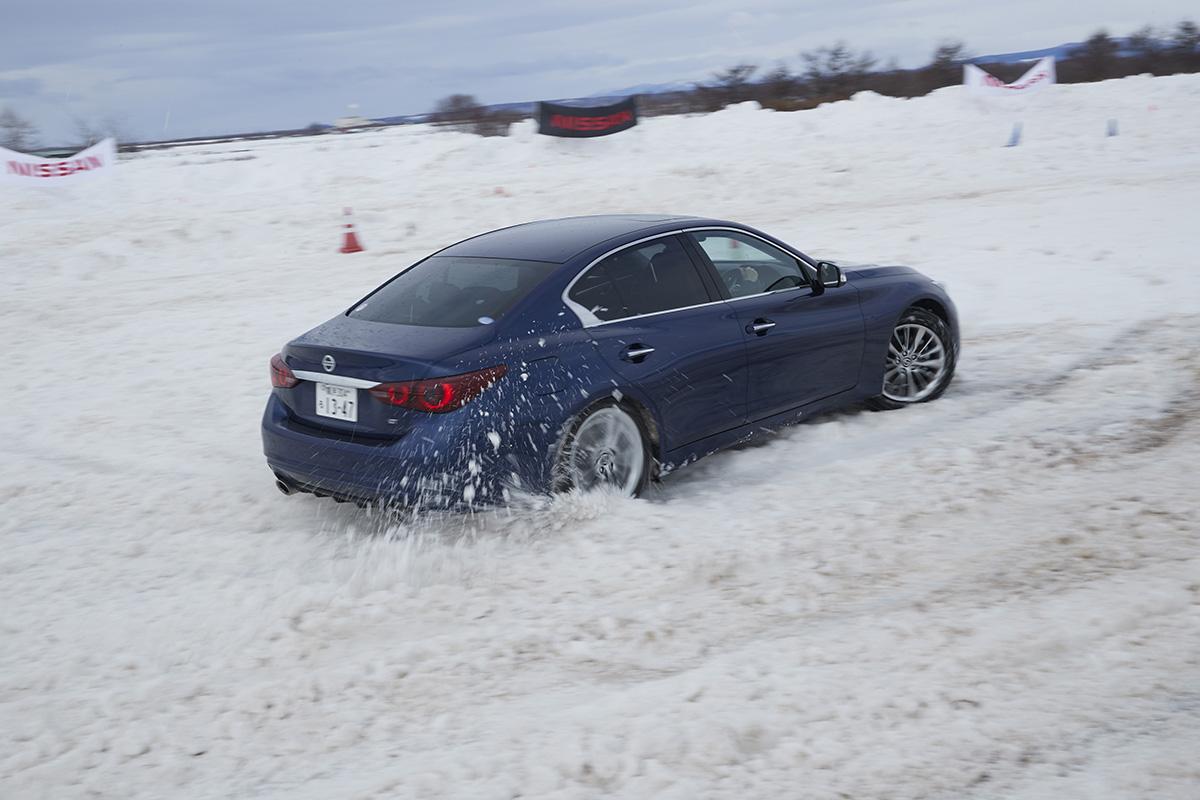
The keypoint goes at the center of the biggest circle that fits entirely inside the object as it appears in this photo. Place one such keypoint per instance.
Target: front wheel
(605, 448)
(919, 363)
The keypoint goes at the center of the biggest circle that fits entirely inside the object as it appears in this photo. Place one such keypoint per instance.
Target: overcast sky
(237, 65)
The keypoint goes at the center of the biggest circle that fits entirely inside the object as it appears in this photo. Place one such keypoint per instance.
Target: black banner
(574, 121)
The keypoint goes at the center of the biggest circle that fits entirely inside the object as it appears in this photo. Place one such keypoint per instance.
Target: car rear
(378, 402)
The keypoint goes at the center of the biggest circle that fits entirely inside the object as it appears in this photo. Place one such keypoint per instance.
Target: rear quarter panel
(553, 372)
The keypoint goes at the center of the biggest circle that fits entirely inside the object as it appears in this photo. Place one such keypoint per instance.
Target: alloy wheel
(915, 365)
(607, 451)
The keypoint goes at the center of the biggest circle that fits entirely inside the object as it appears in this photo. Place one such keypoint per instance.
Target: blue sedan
(591, 352)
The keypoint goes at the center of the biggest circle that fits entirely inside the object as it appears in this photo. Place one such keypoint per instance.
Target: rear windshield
(453, 291)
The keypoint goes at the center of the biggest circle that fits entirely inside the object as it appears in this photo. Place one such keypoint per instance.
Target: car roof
(558, 240)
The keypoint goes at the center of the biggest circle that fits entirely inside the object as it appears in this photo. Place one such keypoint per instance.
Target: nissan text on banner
(35, 171)
(576, 121)
(1040, 75)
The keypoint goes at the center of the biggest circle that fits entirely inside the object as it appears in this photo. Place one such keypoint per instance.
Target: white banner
(34, 171)
(1040, 75)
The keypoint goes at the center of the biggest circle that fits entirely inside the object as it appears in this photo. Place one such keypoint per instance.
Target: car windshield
(453, 291)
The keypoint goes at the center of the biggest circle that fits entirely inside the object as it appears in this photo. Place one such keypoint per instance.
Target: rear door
(801, 347)
(661, 325)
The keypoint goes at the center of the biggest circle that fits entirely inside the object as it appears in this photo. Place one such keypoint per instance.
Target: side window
(596, 292)
(655, 276)
(748, 265)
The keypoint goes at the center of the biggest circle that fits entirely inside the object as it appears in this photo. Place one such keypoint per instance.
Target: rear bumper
(433, 467)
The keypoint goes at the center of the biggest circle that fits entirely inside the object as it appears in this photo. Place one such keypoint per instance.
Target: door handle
(636, 353)
(760, 326)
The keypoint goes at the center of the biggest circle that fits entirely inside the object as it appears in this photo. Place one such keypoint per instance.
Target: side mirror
(829, 275)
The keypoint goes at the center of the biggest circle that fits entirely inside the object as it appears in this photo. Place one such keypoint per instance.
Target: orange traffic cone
(350, 243)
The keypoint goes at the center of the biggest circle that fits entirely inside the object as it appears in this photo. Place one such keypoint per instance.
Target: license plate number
(337, 402)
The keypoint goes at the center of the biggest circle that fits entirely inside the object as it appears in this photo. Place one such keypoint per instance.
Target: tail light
(438, 395)
(281, 376)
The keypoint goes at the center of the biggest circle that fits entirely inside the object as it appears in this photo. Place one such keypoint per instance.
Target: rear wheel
(606, 448)
(919, 363)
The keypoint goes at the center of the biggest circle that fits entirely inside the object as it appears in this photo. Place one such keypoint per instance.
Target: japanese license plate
(337, 402)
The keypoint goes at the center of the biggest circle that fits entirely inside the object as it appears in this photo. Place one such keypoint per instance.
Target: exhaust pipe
(283, 487)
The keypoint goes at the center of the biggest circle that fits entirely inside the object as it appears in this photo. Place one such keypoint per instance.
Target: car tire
(919, 363)
(606, 445)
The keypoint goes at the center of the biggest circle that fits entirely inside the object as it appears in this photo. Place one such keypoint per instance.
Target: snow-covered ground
(994, 595)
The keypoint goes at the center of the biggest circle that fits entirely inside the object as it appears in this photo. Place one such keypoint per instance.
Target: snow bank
(994, 595)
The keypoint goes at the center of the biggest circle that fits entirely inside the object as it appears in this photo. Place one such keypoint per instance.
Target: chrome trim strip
(763, 294)
(336, 380)
(601, 323)
(589, 320)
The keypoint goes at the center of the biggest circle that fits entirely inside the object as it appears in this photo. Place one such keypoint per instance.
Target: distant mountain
(1062, 51)
(645, 88)
(1058, 51)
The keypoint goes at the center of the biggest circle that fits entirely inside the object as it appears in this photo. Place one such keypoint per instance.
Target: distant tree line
(826, 74)
(18, 133)
(836, 72)
(463, 112)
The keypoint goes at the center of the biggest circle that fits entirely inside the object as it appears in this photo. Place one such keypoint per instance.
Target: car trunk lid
(338, 362)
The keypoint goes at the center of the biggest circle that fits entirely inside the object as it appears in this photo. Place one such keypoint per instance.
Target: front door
(801, 347)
